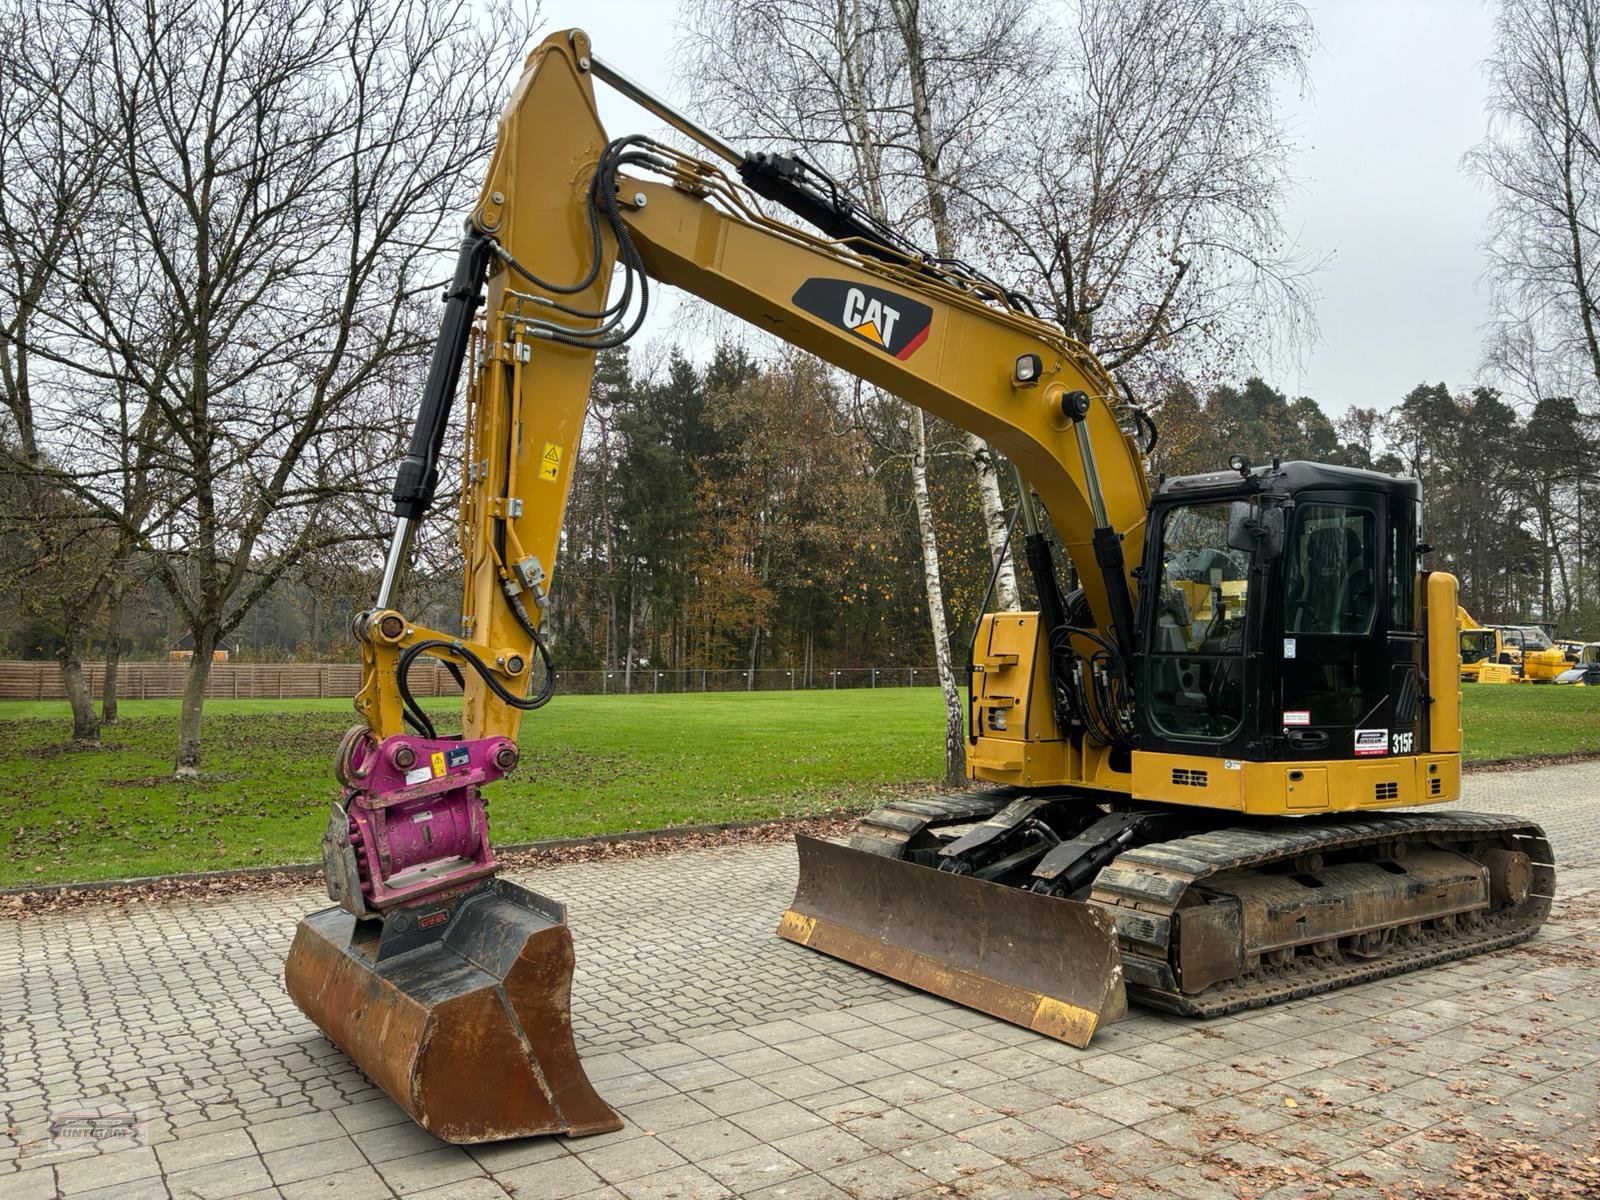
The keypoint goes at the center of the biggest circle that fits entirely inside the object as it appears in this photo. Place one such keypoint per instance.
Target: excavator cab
(1478, 646)
(1280, 615)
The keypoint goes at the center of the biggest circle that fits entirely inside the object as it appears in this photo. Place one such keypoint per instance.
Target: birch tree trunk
(955, 756)
(985, 463)
(870, 167)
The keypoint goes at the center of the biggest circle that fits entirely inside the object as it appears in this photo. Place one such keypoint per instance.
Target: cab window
(1196, 659)
(1403, 536)
(1332, 571)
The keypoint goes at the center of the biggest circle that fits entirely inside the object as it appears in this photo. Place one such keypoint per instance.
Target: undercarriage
(1211, 912)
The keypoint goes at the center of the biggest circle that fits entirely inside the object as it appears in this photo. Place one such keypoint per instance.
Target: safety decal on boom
(550, 462)
(893, 323)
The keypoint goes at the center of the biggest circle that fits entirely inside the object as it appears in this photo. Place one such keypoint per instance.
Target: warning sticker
(457, 756)
(550, 462)
(1372, 741)
(438, 762)
(1297, 716)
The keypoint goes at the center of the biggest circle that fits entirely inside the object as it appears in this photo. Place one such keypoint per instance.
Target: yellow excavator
(1483, 660)
(1531, 653)
(1180, 763)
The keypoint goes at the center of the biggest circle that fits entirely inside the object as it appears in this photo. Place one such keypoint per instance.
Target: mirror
(1242, 526)
(1256, 528)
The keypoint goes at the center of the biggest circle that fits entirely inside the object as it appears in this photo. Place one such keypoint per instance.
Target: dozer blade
(459, 1011)
(1038, 961)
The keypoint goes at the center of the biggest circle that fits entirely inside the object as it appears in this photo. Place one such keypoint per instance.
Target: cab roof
(1291, 476)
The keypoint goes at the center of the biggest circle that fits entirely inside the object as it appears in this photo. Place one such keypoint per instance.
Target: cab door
(1338, 670)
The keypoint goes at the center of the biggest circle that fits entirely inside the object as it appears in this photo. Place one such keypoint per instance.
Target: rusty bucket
(1039, 961)
(458, 1008)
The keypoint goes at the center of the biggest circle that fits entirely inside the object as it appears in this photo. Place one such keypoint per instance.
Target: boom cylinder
(1108, 554)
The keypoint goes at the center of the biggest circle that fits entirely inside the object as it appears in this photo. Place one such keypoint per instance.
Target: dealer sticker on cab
(1297, 716)
(1372, 741)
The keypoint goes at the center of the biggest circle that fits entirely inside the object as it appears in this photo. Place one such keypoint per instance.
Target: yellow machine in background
(1532, 654)
(1481, 652)
(1180, 764)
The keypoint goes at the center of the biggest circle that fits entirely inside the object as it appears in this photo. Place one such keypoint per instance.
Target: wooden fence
(299, 681)
(236, 681)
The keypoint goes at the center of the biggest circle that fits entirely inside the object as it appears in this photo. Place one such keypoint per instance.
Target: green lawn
(1524, 720)
(591, 764)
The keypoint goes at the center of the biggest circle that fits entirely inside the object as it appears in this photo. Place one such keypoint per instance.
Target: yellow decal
(1068, 1022)
(438, 762)
(796, 928)
(550, 464)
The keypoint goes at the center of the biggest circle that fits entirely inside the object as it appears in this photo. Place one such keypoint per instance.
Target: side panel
(1273, 789)
(1013, 713)
(1018, 742)
(1443, 663)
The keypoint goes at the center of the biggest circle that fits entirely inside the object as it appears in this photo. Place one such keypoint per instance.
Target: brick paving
(745, 1066)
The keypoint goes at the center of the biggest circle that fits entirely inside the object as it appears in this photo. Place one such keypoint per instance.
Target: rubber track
(887, 830)
(1143, 888)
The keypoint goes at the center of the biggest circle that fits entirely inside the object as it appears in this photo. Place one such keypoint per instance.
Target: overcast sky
(1395, 99)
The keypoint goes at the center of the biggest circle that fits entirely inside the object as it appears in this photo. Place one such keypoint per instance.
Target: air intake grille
(1388, 791)
(1435, 787)
(1406, 695)
(1186, 777)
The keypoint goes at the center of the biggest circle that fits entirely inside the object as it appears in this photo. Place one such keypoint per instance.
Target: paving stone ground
(746, 1066)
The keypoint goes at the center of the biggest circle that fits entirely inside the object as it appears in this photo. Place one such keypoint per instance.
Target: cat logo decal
(895, 324)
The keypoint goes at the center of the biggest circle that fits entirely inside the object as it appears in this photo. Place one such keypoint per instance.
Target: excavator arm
(560, 207)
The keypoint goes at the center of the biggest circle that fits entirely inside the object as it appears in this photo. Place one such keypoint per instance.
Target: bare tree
(51, 172)
(1145, 203)
(250, 296)
(894, 102)
(1542, 158)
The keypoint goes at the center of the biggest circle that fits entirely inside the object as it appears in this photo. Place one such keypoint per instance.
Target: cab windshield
(1477, 645)
(1196, 656)
(1528, 637)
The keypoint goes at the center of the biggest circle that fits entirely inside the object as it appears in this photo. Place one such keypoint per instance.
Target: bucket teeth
(469, 1031)
(1039, 961)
